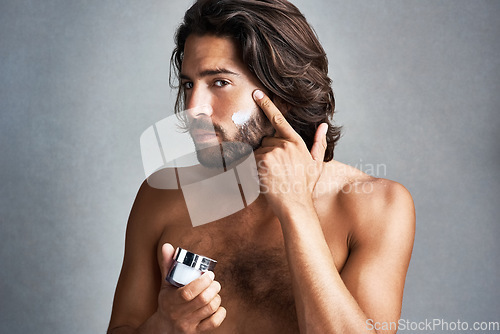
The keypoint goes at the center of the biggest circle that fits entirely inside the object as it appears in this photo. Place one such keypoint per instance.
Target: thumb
(167, 257)
(319, 146)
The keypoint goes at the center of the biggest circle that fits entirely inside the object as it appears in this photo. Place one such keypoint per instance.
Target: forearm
(324, 304)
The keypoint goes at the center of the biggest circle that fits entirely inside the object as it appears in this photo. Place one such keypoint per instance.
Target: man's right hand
(194, 308)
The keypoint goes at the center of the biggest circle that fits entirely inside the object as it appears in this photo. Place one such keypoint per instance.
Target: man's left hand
(288, 172)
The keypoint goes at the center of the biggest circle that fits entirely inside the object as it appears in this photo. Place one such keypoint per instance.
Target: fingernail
(211, 274)
(258, 94)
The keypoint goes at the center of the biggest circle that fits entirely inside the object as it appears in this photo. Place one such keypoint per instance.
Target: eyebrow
(209, 72)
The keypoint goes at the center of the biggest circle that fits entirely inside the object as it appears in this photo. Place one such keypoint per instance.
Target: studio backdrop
(417, 88)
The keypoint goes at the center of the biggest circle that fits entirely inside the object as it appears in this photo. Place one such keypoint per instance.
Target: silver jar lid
(193, 260)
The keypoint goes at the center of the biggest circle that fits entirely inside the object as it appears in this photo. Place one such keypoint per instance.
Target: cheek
(236, 108)
(241, 117)
(245, 110)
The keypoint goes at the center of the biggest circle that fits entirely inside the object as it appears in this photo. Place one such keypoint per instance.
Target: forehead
(210, 52)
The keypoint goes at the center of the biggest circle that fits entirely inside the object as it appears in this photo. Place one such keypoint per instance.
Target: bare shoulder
(373, 205)
(154, 208)
(377, 218)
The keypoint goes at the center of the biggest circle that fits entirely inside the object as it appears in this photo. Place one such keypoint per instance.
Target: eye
(187, 85)
(221, 83)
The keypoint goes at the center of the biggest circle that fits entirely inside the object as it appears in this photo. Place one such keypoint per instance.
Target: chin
(210, 157)
(226, 155)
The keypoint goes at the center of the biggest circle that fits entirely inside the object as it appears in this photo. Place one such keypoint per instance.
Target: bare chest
(252, 268)
(254, 275)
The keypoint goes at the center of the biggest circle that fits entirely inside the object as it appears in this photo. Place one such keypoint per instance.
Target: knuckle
(186, 295)
(211, 308)
(209, 324)
(204, 298)
(266, 102)
(214, 321)
(214, 304)
(183, 327)
(324, 143)
(278, 119)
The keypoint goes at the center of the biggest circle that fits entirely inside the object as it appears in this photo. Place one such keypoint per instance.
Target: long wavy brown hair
(280, 48)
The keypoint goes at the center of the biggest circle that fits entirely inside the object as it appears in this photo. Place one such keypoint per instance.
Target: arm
(372, 280)
(376, 269)
(144, 301)
(138, 285)
(370, 288)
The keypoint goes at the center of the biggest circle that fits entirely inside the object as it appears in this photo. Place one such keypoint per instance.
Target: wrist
(155, 324)
(296, 211)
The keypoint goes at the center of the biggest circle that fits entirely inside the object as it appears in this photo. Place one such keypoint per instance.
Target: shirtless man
(316, 259)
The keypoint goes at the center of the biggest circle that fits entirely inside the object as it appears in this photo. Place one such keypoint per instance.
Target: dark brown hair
(280, 48)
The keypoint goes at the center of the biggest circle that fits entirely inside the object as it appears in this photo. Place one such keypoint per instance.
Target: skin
(337, 247)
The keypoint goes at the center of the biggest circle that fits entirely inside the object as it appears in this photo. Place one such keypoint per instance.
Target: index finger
(193, 289)
(278, 121)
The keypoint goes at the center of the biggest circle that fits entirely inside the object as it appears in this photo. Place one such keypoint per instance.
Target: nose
(204, 110)
(198, 103)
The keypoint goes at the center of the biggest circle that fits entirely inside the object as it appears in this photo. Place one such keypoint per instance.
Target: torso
(251, 262)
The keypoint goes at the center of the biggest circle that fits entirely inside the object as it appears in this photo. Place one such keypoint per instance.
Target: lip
(202, 136)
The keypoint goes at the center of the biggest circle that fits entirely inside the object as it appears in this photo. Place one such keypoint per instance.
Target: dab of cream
(241, 117)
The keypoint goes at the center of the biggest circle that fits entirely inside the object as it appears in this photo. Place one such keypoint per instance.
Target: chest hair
(260, 279)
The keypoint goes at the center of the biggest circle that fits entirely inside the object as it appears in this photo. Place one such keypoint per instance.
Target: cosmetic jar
(188, 266)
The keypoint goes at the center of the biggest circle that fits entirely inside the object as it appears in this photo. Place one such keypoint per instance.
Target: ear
(282, 105)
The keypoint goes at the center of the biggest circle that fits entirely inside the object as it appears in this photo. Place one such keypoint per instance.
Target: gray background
(417, 88)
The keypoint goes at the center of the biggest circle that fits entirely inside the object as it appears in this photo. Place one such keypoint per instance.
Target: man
(316, 252)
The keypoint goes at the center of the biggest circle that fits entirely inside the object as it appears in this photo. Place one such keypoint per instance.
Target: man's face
(218, 88)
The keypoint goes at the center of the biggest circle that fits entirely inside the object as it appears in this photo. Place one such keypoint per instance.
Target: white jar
(187, 267)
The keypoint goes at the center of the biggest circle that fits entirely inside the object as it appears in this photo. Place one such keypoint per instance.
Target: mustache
(205, 124)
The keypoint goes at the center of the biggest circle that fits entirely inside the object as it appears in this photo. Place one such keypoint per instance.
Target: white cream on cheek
(242, 116)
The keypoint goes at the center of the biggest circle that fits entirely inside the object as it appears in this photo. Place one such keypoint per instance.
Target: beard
(231, 149)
